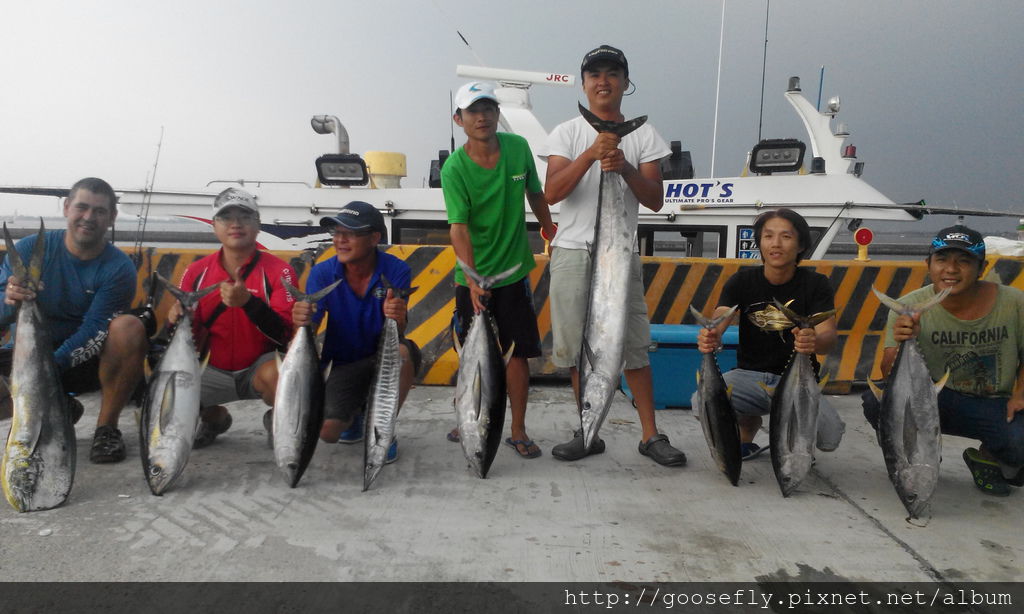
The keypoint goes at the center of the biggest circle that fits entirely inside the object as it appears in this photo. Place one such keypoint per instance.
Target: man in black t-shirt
(767, 337)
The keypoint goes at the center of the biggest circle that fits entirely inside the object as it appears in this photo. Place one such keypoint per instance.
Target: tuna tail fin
(709, 322)
(801, 321)
(904, 309)
(875, 390)
(619, 128)
(485, 282)
(308, 298)
(939, 385)
(398, 292)
(29, 276)
(188, 300)
(35, 265)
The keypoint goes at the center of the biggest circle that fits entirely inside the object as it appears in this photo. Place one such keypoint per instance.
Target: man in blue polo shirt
(357, 309)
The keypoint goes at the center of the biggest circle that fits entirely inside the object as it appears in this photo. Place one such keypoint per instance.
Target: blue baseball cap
(961, 238)
(358, 215)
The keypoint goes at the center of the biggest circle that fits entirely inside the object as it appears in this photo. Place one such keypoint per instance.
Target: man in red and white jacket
(243, 324)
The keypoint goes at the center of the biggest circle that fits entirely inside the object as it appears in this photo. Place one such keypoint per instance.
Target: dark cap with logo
(604, 53)
(961, 238)
(357, 216)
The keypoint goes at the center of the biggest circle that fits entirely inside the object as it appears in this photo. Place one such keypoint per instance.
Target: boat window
(420, 232)
(746, 247)
(676, 241)
(435, 232)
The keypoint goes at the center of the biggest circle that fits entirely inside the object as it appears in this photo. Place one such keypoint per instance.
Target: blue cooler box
(675, 361)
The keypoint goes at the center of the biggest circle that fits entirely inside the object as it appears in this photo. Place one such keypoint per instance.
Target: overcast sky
(931, 89)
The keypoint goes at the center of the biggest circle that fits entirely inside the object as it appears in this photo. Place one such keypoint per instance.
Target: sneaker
(1017, 480)
(208, 431)
(988, 477)
(354, 433)
(661, 451)
(107, 445)
(392, 452)
(76, 409)
(751, 450)
(574, 450)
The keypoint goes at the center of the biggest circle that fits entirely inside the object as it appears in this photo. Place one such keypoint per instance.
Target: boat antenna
(718, 89)
(140, 229)
(451, 121)
(449, 19)
(821, 82)
(764, 64)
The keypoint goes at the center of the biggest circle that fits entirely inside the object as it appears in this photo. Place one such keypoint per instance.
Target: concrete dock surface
(613, 517)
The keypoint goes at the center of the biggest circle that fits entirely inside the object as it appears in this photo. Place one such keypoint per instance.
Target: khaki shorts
(569, 293)
(220, 386)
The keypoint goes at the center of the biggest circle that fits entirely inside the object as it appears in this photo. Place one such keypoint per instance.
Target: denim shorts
(749, 398)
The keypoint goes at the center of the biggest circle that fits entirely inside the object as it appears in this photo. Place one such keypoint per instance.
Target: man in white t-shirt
(573, 179)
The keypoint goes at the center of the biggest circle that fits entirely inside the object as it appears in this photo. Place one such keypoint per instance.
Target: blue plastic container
(675, 361)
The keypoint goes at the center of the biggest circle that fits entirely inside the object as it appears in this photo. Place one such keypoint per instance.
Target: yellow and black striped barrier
(672, 285)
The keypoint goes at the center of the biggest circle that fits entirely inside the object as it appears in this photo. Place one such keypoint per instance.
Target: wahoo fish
(793, 425)
(604, 331)
(299, 401)
(382, 406)
(170, 409)
(717, 418)
(38, 464)
(480, 390)
(908, 420)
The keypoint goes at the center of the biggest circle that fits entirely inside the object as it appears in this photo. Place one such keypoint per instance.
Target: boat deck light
(342, 169)
(777, 156)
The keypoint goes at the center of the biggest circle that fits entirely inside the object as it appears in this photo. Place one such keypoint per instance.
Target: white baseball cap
(235, 198)
(473, 91)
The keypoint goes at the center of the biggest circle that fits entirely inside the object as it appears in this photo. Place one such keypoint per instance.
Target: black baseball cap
(604, 53)
(358, 215)
(962, 238)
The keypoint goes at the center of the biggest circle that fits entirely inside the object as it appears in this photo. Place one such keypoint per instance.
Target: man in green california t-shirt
(977, 335)
(484, 183)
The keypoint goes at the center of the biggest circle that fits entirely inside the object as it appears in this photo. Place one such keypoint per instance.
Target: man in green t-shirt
(977, 334)
(484, 183)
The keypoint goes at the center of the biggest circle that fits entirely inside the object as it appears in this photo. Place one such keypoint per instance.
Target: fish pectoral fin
(588, 352)
(327, 370)
(166, 403)
(508, 355)
(939, 385)
(455, 342)
(205, 361)
(766, 388)
(277, 360)
(476, 394)
(875, 390)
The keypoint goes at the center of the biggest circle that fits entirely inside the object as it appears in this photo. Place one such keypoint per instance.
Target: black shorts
(76, 380)
(349, 383)
(512, 308)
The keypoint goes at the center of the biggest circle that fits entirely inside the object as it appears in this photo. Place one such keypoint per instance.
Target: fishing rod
(140, 228)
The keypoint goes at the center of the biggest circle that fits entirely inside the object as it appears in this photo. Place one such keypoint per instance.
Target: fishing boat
(702, 235)
(701, 217)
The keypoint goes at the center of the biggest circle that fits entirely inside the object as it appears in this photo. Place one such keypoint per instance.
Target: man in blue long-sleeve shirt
(87, 285)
